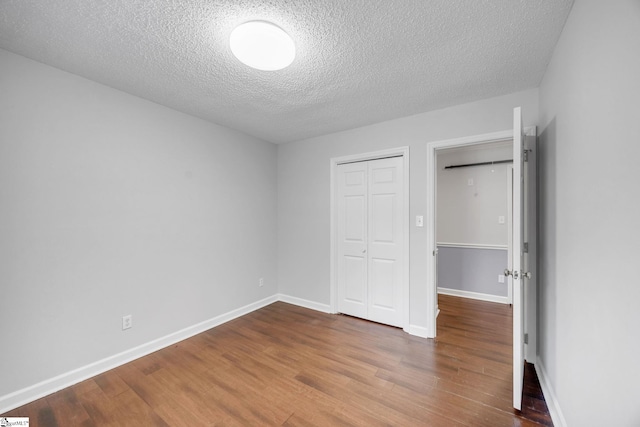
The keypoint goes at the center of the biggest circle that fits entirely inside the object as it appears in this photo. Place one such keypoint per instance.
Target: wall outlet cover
(127, 322)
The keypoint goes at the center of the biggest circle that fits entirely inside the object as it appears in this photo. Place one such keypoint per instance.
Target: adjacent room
(196, 229)
(473, 221)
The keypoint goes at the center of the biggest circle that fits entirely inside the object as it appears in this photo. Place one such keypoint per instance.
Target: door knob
(508, 272)
(364, 251)
(527, 275)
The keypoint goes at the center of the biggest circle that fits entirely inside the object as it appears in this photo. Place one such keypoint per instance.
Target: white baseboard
(549, 396)
(325, 308)
(44, 388)
(418, 331)
(473, 295)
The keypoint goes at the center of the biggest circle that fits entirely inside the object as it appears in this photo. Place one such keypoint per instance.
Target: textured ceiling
(358, 61)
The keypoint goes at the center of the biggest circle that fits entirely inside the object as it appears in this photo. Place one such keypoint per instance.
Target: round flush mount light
(262, 45)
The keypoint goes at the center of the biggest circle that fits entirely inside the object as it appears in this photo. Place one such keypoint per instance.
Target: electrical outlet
(127, 322)
(261, 282)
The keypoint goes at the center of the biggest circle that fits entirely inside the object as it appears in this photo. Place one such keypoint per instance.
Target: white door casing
(371, 236)
(431, 303)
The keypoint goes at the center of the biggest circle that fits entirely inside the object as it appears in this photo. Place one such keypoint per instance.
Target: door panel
(355, 270)
(382, 222)
(355, 219)
(517, 261)
(352, 239)
(382, 276)
(387, 240)
(382, 175)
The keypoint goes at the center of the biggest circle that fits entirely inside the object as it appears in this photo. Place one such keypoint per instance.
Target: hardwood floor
(286, 365)
(484, 329)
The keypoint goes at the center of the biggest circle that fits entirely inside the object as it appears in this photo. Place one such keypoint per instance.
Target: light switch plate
(419, 221)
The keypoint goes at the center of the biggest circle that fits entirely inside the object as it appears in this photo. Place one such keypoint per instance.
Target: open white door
(522, 217)
(516, 276)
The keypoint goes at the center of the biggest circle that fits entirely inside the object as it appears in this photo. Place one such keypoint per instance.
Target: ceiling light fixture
(262, 45)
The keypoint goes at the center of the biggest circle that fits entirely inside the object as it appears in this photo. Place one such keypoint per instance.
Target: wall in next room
(472, 220)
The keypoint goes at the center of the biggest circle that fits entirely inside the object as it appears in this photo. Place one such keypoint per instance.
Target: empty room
(238, 213)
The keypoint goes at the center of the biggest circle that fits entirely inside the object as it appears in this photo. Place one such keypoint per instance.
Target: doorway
(473, 220)
(523, 238)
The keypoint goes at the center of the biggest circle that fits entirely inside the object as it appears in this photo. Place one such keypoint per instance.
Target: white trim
(312, 305)
(333, 250)
(472, 246)
(549, 396)
(418, 331)
(473, 295)
(29, 394)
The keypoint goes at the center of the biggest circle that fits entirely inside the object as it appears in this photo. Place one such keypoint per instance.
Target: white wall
(303, 188)
(113, 205)
(589, 309)
(469, 214)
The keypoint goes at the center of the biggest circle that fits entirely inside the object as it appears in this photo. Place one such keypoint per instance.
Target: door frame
(333, 248)
(430, 225)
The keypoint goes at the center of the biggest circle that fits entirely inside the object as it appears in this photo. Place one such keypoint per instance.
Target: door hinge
(526, 338)
(526, 247)
(525, 155)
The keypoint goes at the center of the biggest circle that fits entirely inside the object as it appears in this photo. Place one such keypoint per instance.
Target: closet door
(386, 241)
(352, 239)
(371, 240)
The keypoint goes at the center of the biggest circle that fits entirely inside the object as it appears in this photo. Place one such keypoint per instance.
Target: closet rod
(478, 164)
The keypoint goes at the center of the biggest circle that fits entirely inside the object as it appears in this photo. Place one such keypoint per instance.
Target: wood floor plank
(285, 365)
(111, 384)
(66, 406)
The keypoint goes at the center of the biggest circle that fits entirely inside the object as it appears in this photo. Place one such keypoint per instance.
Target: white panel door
(352, 239)
(386, 240)
(517, 262)
(371, 240)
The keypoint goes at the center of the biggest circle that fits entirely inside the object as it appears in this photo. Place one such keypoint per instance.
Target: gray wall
(303, 189)
(588, 215)
(472, 270)
(113, 205)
